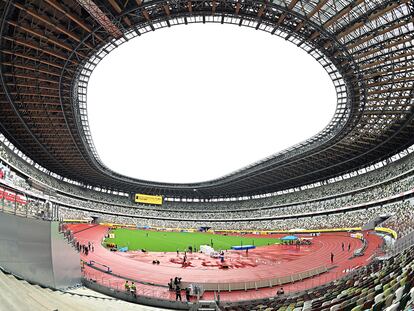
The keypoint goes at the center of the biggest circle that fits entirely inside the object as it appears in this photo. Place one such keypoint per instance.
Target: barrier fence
(220, 286)
(214, 286)
(403, 243)
(292, 283)
(115, 284)
(114, 287)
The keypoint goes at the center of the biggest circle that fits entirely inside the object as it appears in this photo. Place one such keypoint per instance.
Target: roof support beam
(237, 9)
(35, 47)
(213, 7)
(101, 18)
(381, 61)
(59, 7)
(374, 15)
(34, 59)
(342, 13)
(40, 110)
(49, 23)
(313, 12)
(31, 69)
(33, 103)
(28, 77)
(118, 9)
(31, 86)
(372, 51)
(146, 14)
(290, 7)
(45, 38)
(376, 34)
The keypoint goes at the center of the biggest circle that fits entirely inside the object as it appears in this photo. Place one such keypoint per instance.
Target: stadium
(326, 224)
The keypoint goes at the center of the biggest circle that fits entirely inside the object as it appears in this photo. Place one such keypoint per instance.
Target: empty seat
(398, 294)
(393, 307)
(378, 298)
(357, 308)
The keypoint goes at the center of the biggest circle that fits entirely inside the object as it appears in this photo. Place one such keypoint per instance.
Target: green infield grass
(160, 241)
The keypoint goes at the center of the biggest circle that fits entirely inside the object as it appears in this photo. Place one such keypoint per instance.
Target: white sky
(193, 103)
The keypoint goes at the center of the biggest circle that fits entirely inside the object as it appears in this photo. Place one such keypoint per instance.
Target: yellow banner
(148, 199)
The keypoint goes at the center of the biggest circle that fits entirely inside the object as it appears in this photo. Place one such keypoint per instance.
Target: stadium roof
(49, 49)
(186, 134)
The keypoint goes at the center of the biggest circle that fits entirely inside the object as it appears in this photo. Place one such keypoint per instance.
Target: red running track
(262, 263)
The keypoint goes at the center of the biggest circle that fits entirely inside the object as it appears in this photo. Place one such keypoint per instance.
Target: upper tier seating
(341, 187)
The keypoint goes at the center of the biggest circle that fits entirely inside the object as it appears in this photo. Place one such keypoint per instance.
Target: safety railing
(278, 281)
(115, 287)
(291, 284)
(100, 280)
(402, 243)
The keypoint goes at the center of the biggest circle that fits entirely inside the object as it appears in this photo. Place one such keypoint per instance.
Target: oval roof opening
(193, 103)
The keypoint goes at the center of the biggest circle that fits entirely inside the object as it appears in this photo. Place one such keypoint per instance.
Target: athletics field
(162, 241)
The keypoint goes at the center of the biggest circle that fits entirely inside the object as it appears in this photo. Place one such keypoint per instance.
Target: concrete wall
(65, 260)
(142, 300)
(34, 250)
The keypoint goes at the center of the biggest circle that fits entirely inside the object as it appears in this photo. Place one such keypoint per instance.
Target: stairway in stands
(19, 295)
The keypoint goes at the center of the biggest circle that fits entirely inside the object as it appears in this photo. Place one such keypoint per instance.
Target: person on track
(133, 289)
(187, 294)
(178, 293)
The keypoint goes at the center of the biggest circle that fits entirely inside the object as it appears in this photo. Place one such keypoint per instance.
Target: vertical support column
(53, 211)
(48, 210)
(2, 201)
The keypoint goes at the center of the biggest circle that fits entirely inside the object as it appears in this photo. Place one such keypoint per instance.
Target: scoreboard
(148, 199)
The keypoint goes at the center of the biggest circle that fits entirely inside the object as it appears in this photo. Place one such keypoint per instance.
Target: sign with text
(148, 199)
